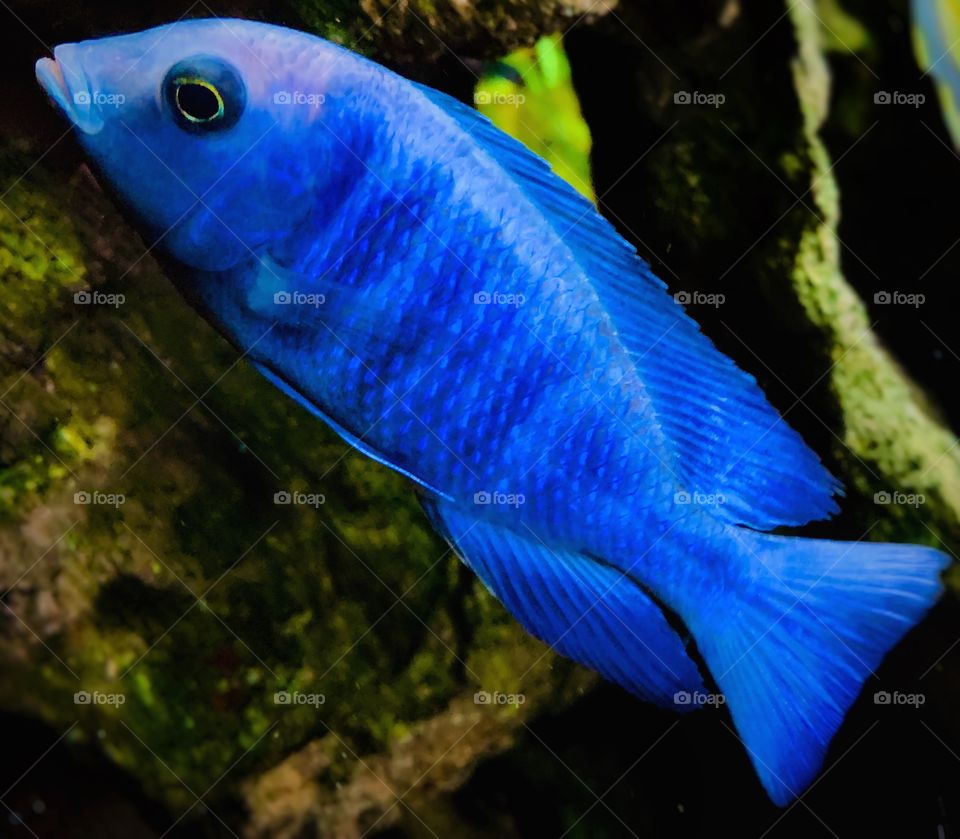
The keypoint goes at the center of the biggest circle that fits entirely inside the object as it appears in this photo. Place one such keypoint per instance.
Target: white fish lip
(69, 89)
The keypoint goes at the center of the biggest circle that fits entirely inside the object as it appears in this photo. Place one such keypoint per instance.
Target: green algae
(198, 598)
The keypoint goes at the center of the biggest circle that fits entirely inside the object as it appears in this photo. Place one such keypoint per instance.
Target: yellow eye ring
(204, 95)
(201, 109)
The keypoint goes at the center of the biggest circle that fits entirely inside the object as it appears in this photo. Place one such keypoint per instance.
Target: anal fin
(584, 609)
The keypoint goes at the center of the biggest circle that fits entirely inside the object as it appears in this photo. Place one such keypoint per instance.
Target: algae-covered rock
(893, 444)
(422, 30)
(197, 573)
(731, 194)
(199, 577)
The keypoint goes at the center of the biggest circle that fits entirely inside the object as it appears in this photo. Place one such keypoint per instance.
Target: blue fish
(936, 36)
(431, 290)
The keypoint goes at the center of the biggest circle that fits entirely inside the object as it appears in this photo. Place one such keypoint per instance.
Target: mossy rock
(148, 567)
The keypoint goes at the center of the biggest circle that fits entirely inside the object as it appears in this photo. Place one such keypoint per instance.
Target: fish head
(206, 130)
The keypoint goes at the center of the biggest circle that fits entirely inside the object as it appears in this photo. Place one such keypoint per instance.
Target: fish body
(936, 40)
(432, 291)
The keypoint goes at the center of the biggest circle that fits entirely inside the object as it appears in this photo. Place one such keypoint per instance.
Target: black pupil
(198, 101)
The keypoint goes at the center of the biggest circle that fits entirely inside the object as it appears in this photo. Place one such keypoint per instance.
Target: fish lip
(69, 88)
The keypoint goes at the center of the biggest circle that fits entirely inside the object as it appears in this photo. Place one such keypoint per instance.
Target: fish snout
(65, 81)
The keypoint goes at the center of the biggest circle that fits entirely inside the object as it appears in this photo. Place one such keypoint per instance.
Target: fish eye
(204, 94)
(199, 101)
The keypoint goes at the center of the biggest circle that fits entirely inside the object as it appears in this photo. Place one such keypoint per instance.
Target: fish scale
(486, 351)
(591, 455)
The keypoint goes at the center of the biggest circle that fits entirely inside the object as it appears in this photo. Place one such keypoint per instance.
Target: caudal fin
(792, 641)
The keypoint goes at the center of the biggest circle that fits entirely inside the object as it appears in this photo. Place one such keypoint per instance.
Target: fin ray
(791, 644)
(584, 609)
(361, 446)
(728, 439)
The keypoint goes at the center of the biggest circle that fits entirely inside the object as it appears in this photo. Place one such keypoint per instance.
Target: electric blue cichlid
(936, 42)
(453, 309)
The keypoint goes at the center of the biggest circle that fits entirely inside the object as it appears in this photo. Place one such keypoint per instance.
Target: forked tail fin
(791, 643)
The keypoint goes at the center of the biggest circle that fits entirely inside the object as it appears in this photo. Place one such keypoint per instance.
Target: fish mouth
(70, 91)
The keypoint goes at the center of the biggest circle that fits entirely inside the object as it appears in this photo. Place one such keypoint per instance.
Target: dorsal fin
(728, 440)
